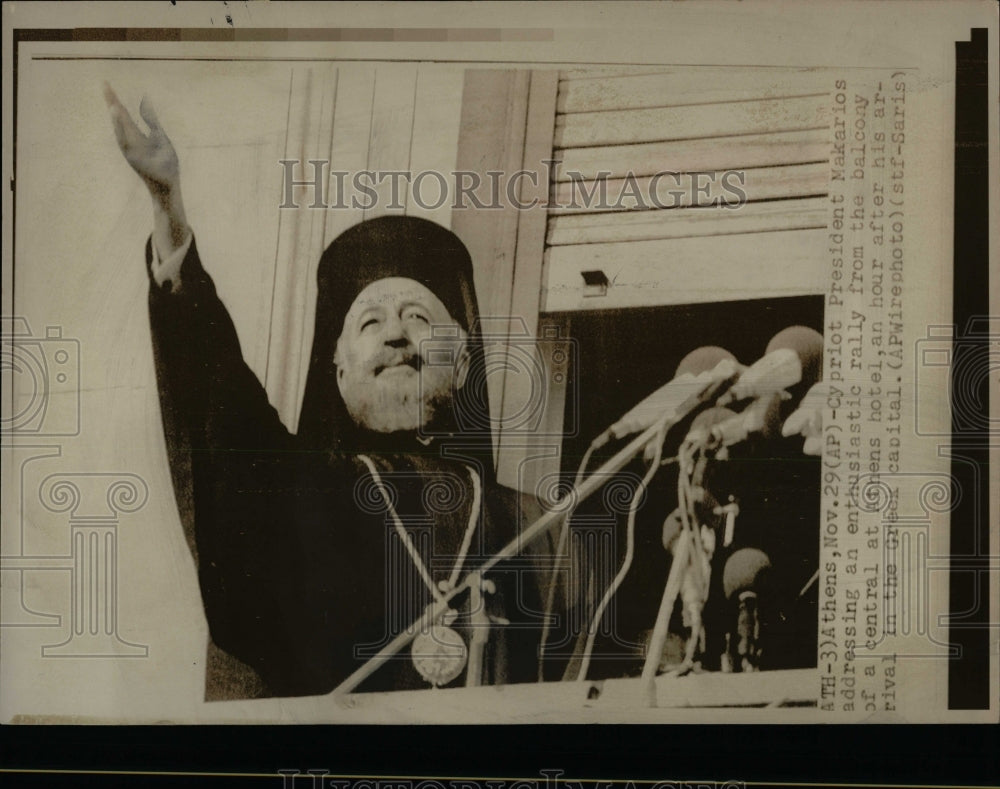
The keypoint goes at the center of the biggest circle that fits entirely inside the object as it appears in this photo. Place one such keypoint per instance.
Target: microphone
(706, 422)
(793, 356)
(743, 579)
(808, 345)
(803, 412)
(763, 416)
(807, 419)
(701, 359)
(699, 376)
(746, 570)
(775, 371)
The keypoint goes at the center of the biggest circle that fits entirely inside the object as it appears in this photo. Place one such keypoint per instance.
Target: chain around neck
(404, 535)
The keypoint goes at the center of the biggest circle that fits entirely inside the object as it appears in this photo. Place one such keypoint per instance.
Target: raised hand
(153, 157)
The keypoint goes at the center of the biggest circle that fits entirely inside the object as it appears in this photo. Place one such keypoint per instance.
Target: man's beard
(389, 401)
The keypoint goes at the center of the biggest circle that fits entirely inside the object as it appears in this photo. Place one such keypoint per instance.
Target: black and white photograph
(371, 371)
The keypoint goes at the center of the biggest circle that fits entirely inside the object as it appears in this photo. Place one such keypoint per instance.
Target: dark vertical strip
(969, 671)
(12, 185)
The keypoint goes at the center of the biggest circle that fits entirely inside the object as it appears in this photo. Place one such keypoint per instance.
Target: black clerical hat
(395, 246)
(389, 246)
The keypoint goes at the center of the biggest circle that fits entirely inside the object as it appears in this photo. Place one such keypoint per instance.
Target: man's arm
(232, 461)
(200, 367)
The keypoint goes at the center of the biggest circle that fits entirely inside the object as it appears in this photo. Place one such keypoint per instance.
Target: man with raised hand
(315, 549)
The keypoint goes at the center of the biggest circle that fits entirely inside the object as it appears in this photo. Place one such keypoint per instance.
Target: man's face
(381, 357)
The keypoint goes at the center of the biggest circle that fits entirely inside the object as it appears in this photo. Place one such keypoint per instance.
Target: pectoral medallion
(439, 654)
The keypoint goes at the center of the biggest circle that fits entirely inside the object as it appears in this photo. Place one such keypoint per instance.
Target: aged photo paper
(500, 363)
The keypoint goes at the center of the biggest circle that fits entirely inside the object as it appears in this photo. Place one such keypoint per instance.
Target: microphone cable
(640, 490)
(561, 546)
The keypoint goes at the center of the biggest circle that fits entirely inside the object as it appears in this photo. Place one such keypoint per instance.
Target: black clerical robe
(303, 573)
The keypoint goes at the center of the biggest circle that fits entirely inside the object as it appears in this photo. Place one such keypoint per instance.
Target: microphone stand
(678, 567)
(689, 562)
(481, 621)
(436, 610)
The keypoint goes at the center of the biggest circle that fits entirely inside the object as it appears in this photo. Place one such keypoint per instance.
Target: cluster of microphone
(716, 402)
(740, 400)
